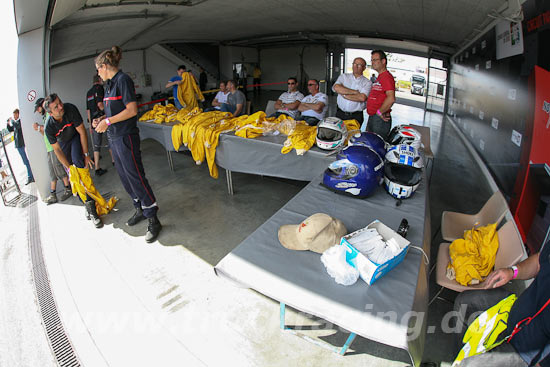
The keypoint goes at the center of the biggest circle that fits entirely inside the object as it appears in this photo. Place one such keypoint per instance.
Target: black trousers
(73, 151)
(127, 156)
(357, 115)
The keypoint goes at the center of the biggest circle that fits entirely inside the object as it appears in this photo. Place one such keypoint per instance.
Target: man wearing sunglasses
(353, 90)
(288, 102)
(382, 96)
(314, 106)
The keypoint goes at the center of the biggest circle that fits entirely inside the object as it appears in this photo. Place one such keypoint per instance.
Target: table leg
(351, 337)
(229, 181)
(170, 162)
(282, 315)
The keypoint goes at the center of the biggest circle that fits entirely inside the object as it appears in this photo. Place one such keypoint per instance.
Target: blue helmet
(357, 171)
(371, 140)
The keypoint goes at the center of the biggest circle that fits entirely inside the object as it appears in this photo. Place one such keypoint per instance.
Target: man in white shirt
(288, 102)
(353, 90)
(221, 97)
(313, 107)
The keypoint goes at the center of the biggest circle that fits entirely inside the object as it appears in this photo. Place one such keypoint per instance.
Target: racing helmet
(371, 140)
(357, 171)
(331, 133)
(403, 134)
(402, 170)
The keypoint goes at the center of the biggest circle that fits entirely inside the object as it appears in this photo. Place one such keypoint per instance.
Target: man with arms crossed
(288, 102)
(314, 106)
(353, 90)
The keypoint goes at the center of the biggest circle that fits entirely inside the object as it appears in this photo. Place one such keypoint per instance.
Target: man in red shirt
(381, 97)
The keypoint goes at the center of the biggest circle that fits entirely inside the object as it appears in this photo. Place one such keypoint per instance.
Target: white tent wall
(30, 82)
(230, 55)
(278, 64)
(71, 81)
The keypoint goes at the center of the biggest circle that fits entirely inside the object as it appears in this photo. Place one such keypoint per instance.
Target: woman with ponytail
(120, 122)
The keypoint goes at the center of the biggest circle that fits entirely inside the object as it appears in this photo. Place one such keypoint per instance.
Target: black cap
(38, 103)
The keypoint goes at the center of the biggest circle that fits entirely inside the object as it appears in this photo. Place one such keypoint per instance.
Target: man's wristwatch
(515, 270)
(108, 122)
(87, 154)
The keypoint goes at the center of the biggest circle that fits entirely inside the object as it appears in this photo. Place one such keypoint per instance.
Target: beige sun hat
(317, 233)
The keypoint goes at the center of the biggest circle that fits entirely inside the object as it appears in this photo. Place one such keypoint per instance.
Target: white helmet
(402, 171)
(331, 133)
(403, 134)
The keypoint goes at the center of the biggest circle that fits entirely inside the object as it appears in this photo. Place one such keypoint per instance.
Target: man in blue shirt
(174, 83)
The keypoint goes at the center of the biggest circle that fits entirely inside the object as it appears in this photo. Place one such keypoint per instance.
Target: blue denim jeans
(23, 155)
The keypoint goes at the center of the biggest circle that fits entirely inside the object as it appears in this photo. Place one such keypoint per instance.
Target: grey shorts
(55, 167)
(97, 140)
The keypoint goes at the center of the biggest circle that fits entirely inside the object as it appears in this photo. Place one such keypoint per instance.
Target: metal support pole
(282, 315)
(229, 181)
(170, 161)
(351, 337)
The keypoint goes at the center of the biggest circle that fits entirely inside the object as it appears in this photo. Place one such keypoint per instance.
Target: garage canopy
(82, 28)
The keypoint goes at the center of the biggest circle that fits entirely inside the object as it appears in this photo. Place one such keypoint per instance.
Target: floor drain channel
(59, 342)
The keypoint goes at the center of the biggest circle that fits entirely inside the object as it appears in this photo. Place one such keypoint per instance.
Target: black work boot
(136, 218)
(90, 208)
(153, 229)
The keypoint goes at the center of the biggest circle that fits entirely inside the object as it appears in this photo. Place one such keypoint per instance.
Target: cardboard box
(368, 270)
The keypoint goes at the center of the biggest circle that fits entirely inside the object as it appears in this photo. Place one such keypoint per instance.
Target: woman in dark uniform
(120, 122)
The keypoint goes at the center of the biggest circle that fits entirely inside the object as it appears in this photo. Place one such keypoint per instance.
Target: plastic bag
(334, 260)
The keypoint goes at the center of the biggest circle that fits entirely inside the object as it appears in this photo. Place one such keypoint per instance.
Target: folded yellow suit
(473, 257)
(160, 114)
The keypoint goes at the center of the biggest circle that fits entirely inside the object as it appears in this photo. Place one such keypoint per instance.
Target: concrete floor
(124, 302)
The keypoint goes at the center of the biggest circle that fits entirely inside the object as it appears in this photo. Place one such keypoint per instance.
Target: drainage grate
(59, 342)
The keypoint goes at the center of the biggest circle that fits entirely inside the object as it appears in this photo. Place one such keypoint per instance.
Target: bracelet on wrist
(108, 122)
(515, 270)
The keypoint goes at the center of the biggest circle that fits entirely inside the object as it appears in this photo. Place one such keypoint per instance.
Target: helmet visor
(342, 169)
(325, 134)
(401, 174)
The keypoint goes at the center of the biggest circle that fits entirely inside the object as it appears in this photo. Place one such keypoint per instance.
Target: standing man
(353, 90)
(257, 74)
(236, 101)
(67, 135)
(203, 79)
(313, 107)
(94, 109)
(14, 125)
(382, 96)
(174, 83)
(54, 166)
(288, 102)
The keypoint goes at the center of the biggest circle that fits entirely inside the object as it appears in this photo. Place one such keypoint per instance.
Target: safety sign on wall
(509, 39)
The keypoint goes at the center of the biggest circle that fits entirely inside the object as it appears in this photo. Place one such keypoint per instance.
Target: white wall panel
(278, 64)
(30, 81)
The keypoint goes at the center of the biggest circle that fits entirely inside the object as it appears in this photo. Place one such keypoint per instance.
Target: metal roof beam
(109, 18)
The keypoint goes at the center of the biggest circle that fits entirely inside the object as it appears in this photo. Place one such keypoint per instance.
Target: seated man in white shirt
(288, 102)
(314, 106)
(221, 97)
